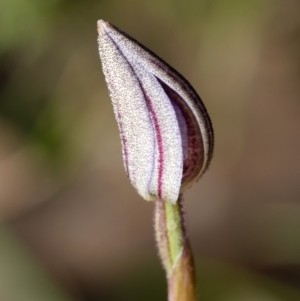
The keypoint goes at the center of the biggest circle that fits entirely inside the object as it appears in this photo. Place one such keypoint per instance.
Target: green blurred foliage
(24, 22)
(21, 277)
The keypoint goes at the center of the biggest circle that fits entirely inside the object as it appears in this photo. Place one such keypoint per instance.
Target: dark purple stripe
(124, 142)
(159, 144)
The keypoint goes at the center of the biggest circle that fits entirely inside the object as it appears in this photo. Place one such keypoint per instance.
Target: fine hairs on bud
(165, 131)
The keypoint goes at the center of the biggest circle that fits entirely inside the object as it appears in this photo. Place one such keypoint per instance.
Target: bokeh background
(72, 227)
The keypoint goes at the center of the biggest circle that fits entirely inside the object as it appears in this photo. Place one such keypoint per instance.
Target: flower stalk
(174, 250)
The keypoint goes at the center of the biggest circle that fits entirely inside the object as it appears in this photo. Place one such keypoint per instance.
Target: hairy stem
(174, 250)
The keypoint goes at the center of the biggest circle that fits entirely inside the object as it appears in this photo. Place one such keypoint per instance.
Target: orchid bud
(166, 133)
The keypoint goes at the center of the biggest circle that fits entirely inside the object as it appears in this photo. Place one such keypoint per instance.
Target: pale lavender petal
(132, 115)
(168, 160)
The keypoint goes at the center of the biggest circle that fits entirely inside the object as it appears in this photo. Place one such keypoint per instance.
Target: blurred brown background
(72, 226)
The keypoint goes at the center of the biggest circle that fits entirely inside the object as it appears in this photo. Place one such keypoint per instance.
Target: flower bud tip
(101, 25)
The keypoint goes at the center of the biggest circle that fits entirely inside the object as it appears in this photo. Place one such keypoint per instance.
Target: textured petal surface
(168, 160)
(167, 137)
(134, 51)
(132, 115)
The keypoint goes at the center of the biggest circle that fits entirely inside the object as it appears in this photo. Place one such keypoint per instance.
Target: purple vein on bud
(166, 133)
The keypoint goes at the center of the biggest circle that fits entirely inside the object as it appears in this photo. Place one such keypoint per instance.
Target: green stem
(174, 229)
(174, 250)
